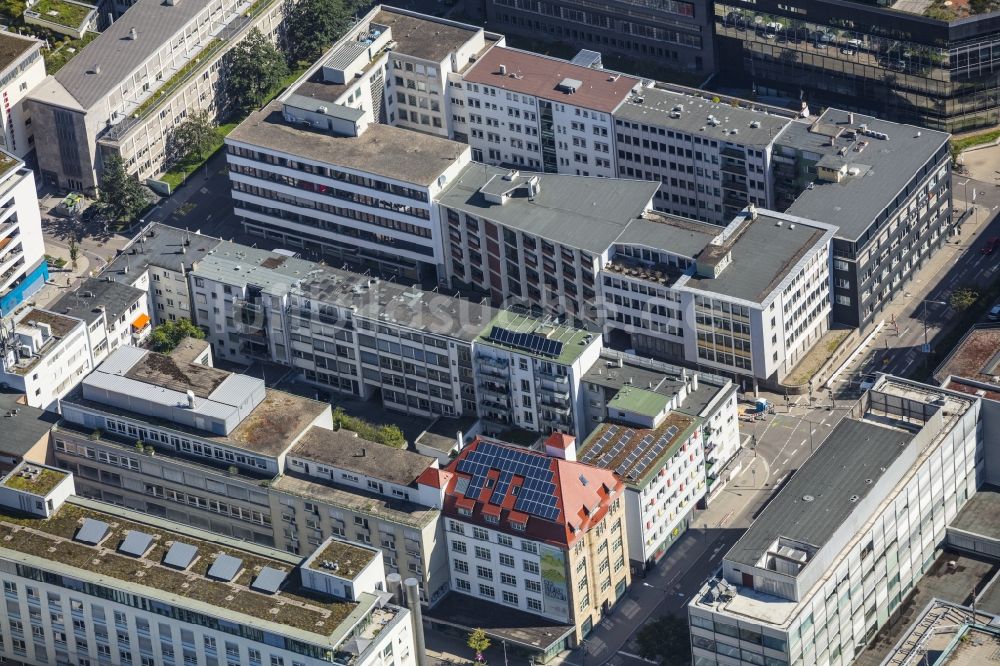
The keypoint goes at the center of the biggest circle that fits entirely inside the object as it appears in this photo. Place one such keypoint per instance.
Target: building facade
(23, 269)
(135, 82)
(23, 69)
(842, 545)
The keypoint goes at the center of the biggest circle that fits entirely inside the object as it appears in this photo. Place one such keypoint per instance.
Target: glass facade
(891, 64)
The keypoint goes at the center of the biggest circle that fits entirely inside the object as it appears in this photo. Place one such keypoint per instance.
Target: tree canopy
(169, 334)
(253, 70)
(314, 25)
(122, 197)
(478, 641)
(194, 137)
(667, 639)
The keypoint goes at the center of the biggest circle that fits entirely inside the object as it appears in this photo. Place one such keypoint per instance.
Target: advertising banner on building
(555, 587)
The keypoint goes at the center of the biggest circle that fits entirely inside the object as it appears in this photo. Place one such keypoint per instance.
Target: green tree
(169, 334)
(253, 70)
(666, 638)
(74, 252)
(193, 138)
(963, 299)
(314, 25)
(479, 642)
(122, 196)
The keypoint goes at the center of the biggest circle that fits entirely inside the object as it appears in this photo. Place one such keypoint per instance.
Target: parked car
(994, 313)
(991, 245)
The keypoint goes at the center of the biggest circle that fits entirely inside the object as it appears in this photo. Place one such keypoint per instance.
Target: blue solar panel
(537, 491)
(531, 342)
(136, 543)
(180, 555)
(225, 567)
(92, 532)
(268, 580)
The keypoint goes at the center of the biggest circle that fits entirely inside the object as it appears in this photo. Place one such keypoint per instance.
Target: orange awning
(141, 322)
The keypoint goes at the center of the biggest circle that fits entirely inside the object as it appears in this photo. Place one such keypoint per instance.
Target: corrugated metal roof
(234, 389)
(122, 360)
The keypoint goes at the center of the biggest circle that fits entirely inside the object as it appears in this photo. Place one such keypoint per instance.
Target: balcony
(737, 169)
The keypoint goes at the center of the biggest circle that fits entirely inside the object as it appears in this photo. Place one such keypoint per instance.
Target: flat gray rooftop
(854, 451)
(681, 236)
(588, 213)
(887, 166)
(344, 449)
(441, 435)
(23, 429)
(13, 46)
(981, 514)
(658, 104)
(762, 256)
(236, 264)
(666, 380)
(381, 150)
(116, 55)
(92, 294)
(162, 246)
(395, 304)
(427, 38)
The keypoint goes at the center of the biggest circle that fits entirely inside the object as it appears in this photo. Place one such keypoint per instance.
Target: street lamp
(927, 347)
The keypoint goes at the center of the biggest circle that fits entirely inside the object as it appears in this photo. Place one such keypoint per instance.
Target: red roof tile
(434, 477)
(532, 74)
(583, 494)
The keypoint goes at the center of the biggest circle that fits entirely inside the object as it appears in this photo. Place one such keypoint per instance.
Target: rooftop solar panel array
(537, 494)
(225, 567)
(136, 543)
(92, 531)
(638, 460)
(180, 555)
(530, 342)
(268, 580)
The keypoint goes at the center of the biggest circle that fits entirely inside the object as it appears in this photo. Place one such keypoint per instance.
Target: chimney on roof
(562, 446)
(190, 397)
(133, 34)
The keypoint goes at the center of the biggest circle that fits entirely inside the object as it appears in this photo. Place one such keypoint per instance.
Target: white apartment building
(749, 302)
(832, 556)
(154, 591)
(116, 314)
(536, 532)
(711, 158)
(23, 269)
(157, 261)
(708, 399)
(528, 374)
(659, 453)
(21, 69)
(536, 240)
(45, 355)
(543, 114)
(127, 89)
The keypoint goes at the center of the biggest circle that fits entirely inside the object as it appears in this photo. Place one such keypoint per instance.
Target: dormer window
(520, 527)
(491, 519)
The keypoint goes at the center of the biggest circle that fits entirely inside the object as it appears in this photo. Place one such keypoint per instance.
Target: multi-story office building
(748, 301)
(887, 189)
(126, 90)
(659, 453)
(44, 355)
(528, 374)
(704, 398)
(543, 114)
(353, 333)
(157, 261)
(116, 314)
(536, 240)
(832, 556)
(23, 269)
(711, 157)
(537, 532)
(359, 193)
(865, 56)
(21, 69)
(87, 582)
(676, 34)
(279, 476)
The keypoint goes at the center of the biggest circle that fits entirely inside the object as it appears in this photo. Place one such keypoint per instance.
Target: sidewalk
(60, 280)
